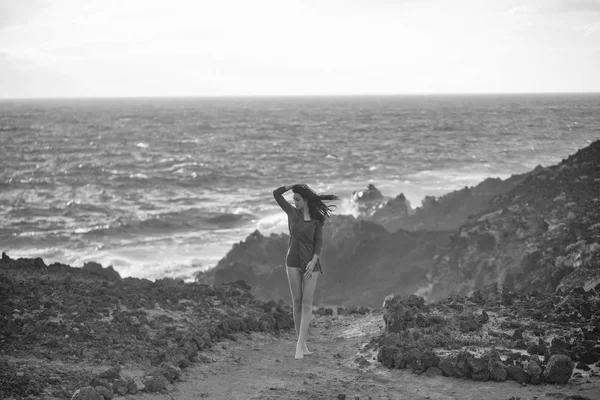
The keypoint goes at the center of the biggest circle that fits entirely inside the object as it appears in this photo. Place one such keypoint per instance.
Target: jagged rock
(367, 201)
(534, 370)
(155, 383)
(559, 369)
(95, 268)
(469, 325)
(479, 368)
(387, 355)
(446, 366)
(121, 386)
(430, 359)
(136, 385)
(400, 313)
(323, 311)
(433, 371)
(549, 242)
(87, 393)
(517, 374)
(582, 366)
(538, 349)
(107, 394)
(460, 366)
(170, 371)
(110, 374)
(518, 334)
(498, 370)
(483, 318)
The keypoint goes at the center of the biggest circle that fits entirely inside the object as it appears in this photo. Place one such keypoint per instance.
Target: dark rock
(156, 383)
(460, 366)
(283, 321)
(132, 386)
(400, 313)
(96, 269)
(170, 371)
(534, 371)
(518, 334)
(582, 366)
(558, 346)
(121, 386)
(430, 359)
(323, 311)
(110, 374)
(107, 394)
(96, 381)
(387, 355)
(483, 318)
(433, 371)
(479, 368)
(517, 374)
(469, 325)
(87, 393)
(446, 366)
(498, 370)
(559, 369)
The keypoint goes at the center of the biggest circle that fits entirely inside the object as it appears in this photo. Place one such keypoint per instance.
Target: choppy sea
(164, 187)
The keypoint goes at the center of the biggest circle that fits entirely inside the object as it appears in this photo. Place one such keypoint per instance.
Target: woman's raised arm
(283, 203)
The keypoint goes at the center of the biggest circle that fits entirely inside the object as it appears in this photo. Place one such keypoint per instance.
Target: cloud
(14, 12)
(520, 10)
(580, 5)
(588, 29)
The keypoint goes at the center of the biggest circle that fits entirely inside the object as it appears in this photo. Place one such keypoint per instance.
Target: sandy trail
(262, 366)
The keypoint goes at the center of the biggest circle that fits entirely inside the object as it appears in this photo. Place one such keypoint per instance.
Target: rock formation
(542, 235)
(447, 212)
(362, 262)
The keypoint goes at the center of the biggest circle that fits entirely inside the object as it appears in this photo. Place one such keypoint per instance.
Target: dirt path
(262, 366)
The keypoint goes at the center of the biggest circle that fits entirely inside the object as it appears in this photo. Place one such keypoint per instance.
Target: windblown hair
(317, 209)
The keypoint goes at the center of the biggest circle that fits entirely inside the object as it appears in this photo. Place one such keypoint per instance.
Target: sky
(130, 48)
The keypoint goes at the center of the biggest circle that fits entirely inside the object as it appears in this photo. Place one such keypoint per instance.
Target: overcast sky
(65, 48)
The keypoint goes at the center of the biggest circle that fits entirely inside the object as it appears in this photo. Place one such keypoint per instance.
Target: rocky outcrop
(362, 263)
(442, 213)
(430, 339)
(90, 315)
(542, 235)
(368, 200)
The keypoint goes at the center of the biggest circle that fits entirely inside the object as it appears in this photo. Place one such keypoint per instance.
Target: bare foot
(305, 350)
(299, 353)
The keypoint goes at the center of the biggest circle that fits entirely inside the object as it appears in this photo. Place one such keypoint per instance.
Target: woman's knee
(307, 302)
(297, 303)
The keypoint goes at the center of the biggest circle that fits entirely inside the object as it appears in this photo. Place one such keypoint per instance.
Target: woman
(305, 222)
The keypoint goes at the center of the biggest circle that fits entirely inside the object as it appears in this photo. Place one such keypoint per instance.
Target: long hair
(316, 208)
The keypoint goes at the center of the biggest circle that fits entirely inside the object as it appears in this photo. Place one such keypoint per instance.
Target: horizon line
(231, 96)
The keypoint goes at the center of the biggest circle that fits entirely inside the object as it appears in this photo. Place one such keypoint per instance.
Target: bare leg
(295, 280)
(308, 290)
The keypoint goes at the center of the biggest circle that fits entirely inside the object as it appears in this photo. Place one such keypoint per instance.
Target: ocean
(163, 187)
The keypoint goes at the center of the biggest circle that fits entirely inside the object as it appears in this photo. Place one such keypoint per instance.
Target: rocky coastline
(498, 282)
(72, 330)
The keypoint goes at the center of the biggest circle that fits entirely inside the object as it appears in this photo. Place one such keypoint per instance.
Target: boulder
(155, 383)
(107, 394)
(497, 370)
(121, 386)
(479, 367)
(517, 374)
(559, 369)
(534, 371)
(387, 355)
(433, 371)
(460, 366)
(430, 359)
(87, 393)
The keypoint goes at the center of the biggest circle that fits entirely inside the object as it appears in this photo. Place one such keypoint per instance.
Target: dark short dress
(306, 237)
